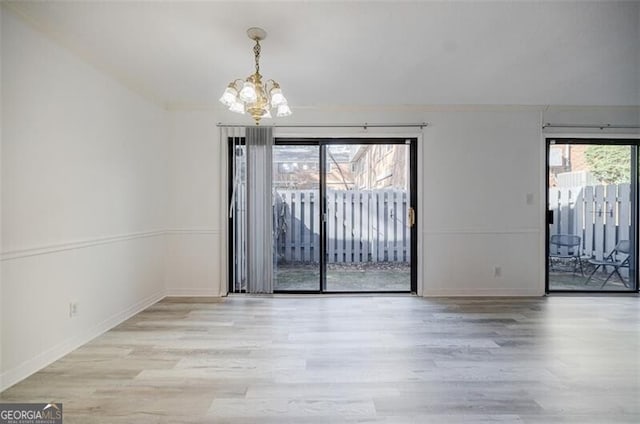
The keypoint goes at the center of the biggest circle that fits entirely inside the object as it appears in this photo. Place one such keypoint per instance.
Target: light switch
(529, 198)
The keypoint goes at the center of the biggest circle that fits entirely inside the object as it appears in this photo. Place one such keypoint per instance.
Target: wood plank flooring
(351, 359)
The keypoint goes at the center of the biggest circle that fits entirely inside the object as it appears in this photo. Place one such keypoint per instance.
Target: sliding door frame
(634, 143)
(411, 140)
(322, 142)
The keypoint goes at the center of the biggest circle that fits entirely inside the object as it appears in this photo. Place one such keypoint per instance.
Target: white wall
(477, 169)
(195, 230)
(479, 166)
(84, 191)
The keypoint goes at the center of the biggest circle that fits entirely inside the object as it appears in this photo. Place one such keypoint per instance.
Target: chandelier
(251, 94)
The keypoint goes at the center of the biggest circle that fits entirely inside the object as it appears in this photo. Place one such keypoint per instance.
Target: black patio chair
(611, 260)
(572, 244)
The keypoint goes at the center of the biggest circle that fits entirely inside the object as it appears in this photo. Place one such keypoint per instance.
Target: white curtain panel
(259, 142)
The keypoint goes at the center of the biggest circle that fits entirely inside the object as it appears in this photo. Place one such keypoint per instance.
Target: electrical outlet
(497, 271)
(73, 309)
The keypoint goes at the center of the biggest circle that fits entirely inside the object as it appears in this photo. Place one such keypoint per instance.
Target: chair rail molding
(76, 244)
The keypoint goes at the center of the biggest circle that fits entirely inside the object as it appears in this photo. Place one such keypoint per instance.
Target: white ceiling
(363, 53)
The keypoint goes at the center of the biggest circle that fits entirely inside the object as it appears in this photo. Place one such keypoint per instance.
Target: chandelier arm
(274, 83)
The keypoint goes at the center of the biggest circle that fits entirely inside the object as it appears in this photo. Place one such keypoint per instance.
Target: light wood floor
(356, 360)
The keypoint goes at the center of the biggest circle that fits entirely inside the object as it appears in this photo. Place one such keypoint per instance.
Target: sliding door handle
(412, 217)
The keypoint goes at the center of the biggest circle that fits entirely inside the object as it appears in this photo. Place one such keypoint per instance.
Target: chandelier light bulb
(276, 97)
(229, 96)
(237, 107)
(283, 110)
(248, 92)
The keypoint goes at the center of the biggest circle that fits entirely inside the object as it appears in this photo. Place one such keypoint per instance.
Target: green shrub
(609, 164)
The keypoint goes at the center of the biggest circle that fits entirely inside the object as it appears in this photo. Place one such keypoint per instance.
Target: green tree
(609, 164)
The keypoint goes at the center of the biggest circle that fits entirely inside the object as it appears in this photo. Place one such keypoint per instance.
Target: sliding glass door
(591, 215)
(296, 216)
(343, 215)
(368, 217)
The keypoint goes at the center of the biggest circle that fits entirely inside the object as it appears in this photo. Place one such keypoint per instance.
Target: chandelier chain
(256, 52)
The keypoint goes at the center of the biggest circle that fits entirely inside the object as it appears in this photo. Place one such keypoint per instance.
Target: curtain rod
(601, 126)
(365, 125)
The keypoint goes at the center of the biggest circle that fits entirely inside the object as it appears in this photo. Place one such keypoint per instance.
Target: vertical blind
(259, 141)
(250, 208)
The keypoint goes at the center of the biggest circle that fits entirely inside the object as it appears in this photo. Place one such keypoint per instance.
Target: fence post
(357, 212)
(599, 208)
(340, 225)
(589, 217)
(314, 229)
(624, 217)
(365, 234)
(579, 218)
(331, 226)
(304, 227)
(610, 217)
(373, 226)
(382, 230)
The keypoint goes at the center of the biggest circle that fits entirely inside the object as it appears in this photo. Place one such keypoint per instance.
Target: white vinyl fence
(362, 226)
(600, 215)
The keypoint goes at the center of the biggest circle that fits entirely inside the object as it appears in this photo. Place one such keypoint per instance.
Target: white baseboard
(487, 292)
(192, 292)
(30, 366)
